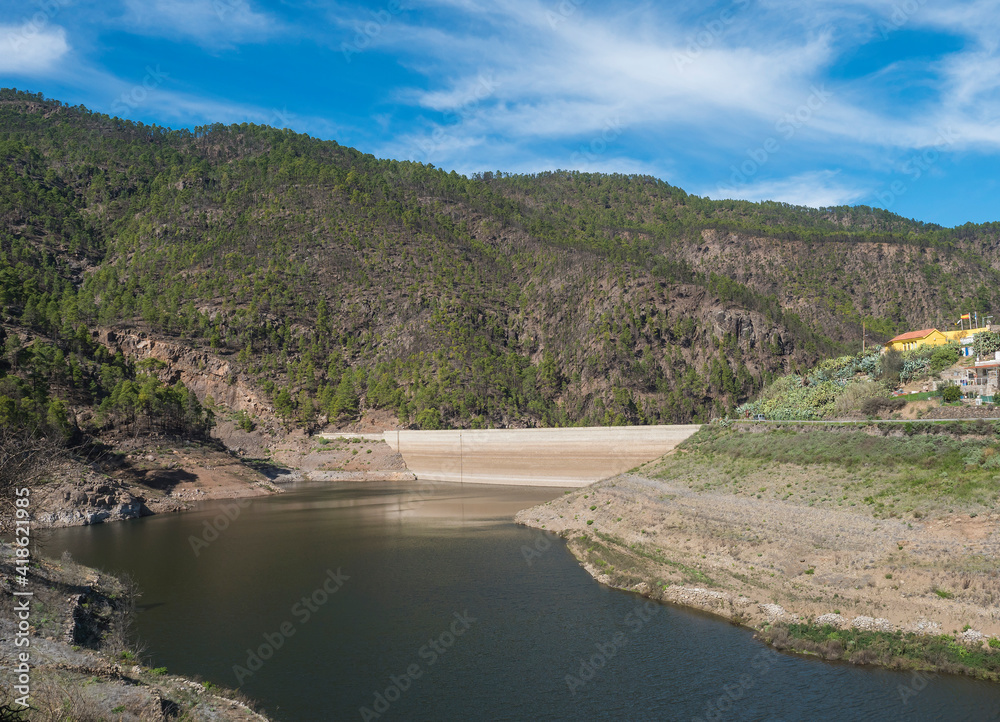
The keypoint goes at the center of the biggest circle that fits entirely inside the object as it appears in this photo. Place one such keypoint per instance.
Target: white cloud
(578, 71)
(816, 189)
(533, 84)
(561, 71)
(31, 50)
(533, 80)
(209, 22)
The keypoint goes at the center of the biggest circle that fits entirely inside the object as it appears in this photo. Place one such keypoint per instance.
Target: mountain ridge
(336, 283)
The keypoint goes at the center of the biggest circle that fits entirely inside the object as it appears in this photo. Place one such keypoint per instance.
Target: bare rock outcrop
(205, 373)
(90, 501)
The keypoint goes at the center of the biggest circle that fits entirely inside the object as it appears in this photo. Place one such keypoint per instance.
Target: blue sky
(891, 103)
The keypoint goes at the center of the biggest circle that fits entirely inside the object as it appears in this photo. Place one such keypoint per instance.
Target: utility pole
(862, 338)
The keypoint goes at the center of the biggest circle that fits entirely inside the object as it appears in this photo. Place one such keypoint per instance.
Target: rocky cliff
(210, 376)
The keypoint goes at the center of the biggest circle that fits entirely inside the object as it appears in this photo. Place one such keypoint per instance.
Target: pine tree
(345, 401)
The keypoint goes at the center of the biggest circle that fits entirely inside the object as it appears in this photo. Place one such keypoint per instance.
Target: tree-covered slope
(338, 283)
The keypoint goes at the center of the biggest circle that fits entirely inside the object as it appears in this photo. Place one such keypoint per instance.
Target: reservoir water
(379, 601)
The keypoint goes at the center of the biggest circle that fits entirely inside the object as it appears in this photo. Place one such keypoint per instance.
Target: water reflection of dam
(533, 457)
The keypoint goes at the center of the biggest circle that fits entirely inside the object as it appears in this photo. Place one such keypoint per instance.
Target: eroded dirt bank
(150, 476)
(142, 478)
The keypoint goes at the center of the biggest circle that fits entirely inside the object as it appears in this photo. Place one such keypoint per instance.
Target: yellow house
(926, 337)
(960, 334)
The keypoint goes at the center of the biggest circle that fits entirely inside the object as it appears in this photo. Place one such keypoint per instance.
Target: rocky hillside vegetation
(288, 279)
(866, 385)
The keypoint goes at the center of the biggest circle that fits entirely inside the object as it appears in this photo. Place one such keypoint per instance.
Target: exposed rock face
(750, 328)
(206, 374)
(68, 504)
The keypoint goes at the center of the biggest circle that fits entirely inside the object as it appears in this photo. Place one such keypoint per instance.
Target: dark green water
(446, 565)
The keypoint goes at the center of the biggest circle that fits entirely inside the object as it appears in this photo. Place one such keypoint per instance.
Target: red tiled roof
(914, 334)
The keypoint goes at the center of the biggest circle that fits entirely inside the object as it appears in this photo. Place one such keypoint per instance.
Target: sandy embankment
(759, 560)
(341, 456)
(143, 479)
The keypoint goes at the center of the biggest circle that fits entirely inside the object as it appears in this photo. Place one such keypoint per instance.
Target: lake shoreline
(832, 582)
(80, 654)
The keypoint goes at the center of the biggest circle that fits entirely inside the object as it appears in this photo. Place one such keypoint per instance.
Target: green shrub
(244, 421)
(855, 394)
(944, 357)
(891, 366)
(896, 649)
(951, 394)
(986, 344)
(430, 419)
(973, 457)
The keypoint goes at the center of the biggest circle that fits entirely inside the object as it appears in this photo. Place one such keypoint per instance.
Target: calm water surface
(422, 606)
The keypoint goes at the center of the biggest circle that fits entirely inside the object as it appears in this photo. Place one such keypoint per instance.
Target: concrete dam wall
(533, 457)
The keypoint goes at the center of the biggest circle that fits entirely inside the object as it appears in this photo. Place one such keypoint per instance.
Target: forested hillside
(337, 283)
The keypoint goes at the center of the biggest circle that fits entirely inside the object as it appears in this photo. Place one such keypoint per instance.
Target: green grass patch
(890, 649)
(888, 470)
(923, 396)
(847, 448)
